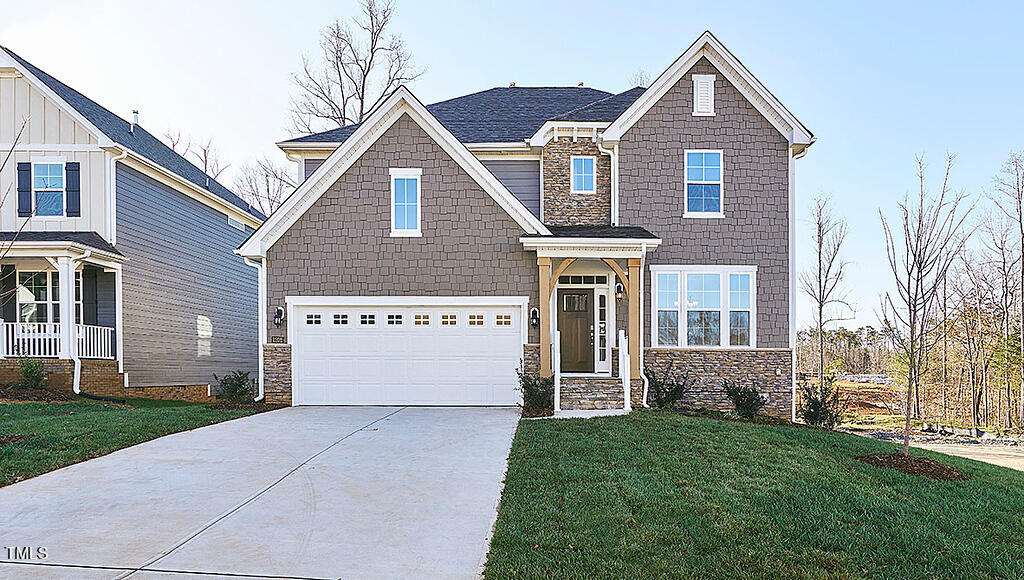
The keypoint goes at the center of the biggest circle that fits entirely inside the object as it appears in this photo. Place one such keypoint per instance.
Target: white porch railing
(624, 369)
(31, 339)
(556, 367)
(43, 340)
(95, 341)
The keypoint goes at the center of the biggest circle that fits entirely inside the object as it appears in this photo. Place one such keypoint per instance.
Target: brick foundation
(59, 372)
(277, 373)
(100, 377)
(194, 393)
(768, 370)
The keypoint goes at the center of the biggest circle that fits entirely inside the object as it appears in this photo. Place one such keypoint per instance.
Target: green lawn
(659, 495)
(59, 434)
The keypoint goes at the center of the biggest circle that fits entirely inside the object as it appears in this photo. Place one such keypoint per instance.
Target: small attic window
(703, 95)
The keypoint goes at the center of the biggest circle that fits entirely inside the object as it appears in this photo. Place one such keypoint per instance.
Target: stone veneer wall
(768, 370)
(560, 206)
(277, 373)
(531, 358)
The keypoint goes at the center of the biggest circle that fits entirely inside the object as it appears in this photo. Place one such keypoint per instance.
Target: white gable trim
(402, 102)
(7, 61)
(751, 88)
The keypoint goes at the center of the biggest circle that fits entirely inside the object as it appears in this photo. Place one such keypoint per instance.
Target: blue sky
(878, 84)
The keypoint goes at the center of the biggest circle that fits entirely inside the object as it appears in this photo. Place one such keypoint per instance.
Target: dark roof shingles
(498, 115)
(88, 239)
(139, 140)
(623, 232)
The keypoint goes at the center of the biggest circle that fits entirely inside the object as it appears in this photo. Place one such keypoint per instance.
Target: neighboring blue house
(105, 220)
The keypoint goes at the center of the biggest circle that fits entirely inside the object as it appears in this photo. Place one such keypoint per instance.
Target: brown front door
(576, 325)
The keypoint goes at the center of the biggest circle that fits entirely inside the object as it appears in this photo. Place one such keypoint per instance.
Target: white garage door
(406, 355)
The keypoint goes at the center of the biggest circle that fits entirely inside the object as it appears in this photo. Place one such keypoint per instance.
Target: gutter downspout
(643, 375)
(261, 317)
(614, 155)
(112, 198)
(76, 383)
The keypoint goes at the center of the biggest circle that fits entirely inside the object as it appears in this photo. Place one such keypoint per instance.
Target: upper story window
(703, 183)
(48, 189)
(704, 306)
(582, 177)
(405, 202)
(703, 95)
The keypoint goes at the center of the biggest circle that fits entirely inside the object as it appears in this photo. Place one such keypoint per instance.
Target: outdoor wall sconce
(620, 290)
(278, 316)
(534, 317)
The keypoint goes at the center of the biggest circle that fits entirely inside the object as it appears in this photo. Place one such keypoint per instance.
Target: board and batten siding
(189, 302)
(521, 177)
(49, 127)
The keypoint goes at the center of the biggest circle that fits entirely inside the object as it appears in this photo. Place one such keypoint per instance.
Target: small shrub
(666, 387)
(33, 375)
(747, 401)
(237, 387)
(538, 392)
(821, 407)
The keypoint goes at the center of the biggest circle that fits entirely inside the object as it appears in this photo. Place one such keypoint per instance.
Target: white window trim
(64, 179)
(697, 80)
(572, 174)
(723, 272)
(721, 187)
(405, 174)
(50, 303)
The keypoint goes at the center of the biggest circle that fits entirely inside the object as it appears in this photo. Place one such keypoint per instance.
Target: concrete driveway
(1012, 457)
(307, 492)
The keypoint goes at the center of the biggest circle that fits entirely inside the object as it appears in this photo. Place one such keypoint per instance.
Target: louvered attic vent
(703, 95)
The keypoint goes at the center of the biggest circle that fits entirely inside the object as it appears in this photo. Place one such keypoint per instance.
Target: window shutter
(703, 94)
(24, 190)
(73, 189)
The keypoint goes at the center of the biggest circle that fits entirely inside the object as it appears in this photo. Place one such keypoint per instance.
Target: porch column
(544, 306)
(66, 299)
(635, 340)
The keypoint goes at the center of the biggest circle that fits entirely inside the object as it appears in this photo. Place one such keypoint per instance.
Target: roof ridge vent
(512, 85)
(135, 121)
(579, 84)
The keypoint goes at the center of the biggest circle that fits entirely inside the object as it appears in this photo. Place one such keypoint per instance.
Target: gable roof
(607, 109)
(140, 141)
(402, 102)
(498, 115)
(707, 46)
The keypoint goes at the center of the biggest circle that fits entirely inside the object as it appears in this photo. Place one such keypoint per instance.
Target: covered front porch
(590, 319)
(41, 282)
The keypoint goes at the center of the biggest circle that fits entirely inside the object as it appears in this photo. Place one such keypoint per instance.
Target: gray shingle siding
(180, 267)
(521, 177)
(342, 246)
(755, 194)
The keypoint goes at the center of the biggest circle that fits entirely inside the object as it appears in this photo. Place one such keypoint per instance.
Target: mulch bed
(10, 393)
(11, 438)
(531, 412)
(913, 465)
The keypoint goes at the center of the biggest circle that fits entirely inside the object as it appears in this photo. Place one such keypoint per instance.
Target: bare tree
(823, 280)
(206, 158)
(1009, 198)
(640, 78)
(920, 254)
(264, 185)
(363, 64)
(179, 143)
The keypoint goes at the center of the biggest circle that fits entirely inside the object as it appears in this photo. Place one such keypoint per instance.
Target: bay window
(704, 306)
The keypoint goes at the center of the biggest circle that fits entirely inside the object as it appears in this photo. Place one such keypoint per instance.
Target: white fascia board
(590, 247)
(343, 301)
(740, 269)
(550, 128)
(530, 242)
(179, 183)
(708, 45)
(401, 102)
(57, 249)
(7, 61)
(514, 145)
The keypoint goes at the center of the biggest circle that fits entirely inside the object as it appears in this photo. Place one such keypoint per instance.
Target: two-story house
(597, 237)
(117, 263)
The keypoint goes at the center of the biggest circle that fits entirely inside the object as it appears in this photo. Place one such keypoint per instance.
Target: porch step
(586, 393)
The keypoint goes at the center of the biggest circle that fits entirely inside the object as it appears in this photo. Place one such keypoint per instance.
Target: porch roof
(592, 242)
(84, 240)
